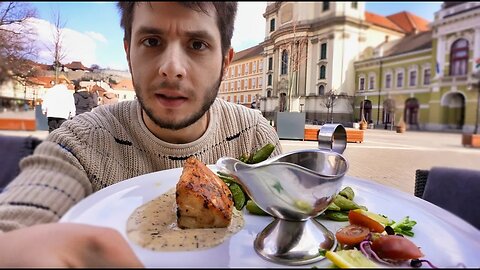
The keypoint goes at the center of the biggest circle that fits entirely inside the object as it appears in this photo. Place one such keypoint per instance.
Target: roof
(248, 53)
(126, 84)
(410, 43)
(410, 23)
(381, 21)
(76, 65)
(404, 22)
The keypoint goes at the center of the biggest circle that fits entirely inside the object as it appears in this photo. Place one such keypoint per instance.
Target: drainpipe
(379, 89)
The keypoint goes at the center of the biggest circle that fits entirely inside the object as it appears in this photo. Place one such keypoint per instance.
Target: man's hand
(65, 245)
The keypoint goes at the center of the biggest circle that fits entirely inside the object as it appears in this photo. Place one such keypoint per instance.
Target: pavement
(385, 156)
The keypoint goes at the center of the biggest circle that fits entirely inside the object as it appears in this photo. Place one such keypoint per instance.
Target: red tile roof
(123, 85)
(409, 22)
(381, 21)
(247, 53)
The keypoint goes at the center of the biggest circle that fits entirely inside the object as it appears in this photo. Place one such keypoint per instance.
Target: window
(269, 83)
(254, 67)
(272, 25)
(362, 84)
(326, 6)
(284, 69)
(426, 76)
(246, 68)
(254, 83)
(371, 82)
(354, 5)
(413, 78)
(260, 82)
(322, 72)
(241, 99)
(388, 80)
(323, 51)
(246, 84)
(399, 79)
(249, 99)
(260, 65)
(459, 57)
(236, 71)
(270, 63)
(269, 93)
(321, 90)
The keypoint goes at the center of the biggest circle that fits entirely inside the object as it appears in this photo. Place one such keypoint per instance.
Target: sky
(92, 32)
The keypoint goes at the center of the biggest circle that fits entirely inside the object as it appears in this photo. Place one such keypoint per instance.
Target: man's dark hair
(226, 12)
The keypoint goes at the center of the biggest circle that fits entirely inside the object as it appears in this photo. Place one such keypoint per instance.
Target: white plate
(445, 239)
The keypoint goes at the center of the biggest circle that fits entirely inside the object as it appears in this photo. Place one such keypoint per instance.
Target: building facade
(310, 49)
(243, 82)
(429, 79)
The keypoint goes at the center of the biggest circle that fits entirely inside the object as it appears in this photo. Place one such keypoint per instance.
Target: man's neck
(181, 136)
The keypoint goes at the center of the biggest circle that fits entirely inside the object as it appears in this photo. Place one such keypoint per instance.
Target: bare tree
(56, 47)
(295, 47)
(16, 42)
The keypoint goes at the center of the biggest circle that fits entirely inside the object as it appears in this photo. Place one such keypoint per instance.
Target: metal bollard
(332, 137)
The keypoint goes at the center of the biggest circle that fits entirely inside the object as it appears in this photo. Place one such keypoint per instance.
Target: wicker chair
(12, 150)
(453, 189)
(421, 177)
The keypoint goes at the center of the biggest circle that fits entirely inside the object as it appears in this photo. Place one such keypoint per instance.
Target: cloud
(97, 36)
(249, 25)
(77, 46)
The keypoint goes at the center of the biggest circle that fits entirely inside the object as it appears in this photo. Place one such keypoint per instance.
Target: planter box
(471, 140)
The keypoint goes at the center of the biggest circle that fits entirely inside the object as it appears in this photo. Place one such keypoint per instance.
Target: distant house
(74, 66)
(124, 90)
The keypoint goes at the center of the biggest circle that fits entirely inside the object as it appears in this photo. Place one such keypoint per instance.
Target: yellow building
(243, 81)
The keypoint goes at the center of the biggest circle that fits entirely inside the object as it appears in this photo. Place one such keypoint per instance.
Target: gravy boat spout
(293, 186)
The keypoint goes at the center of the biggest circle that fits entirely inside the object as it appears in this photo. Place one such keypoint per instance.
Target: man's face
(176, 62)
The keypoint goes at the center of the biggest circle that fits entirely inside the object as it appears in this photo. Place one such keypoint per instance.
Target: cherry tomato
(363, 220)
(396, 248)
(351, 234)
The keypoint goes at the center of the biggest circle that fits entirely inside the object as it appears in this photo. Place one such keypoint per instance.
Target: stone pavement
(385, 156)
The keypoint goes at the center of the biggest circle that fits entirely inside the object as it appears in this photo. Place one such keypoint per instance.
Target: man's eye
(198, 45)
(151, 42)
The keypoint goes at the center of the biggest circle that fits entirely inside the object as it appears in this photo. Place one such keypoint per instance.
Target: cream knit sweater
(110, 144)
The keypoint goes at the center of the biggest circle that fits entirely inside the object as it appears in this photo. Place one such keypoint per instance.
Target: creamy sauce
(154, 226)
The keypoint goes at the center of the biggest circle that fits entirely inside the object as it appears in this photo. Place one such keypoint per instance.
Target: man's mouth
(170, 101)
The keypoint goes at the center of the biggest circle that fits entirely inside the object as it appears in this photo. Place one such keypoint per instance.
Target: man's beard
(207, 103)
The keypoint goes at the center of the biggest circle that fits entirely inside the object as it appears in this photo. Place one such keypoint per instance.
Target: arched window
(322, 72)
(459, 57)
(321, 90)
(269, 93)
(284, 62)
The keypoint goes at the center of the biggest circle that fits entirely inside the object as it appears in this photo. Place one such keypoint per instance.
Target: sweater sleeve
(50, 182)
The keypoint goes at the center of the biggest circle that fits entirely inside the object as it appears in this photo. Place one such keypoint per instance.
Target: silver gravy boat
(294, 188)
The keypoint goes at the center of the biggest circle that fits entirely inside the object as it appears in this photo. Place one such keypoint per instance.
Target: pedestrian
(83, 99)
(58, 105)
(178, 53)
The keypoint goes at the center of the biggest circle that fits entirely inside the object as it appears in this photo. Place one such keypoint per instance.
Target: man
(58, 105)
(177, 54)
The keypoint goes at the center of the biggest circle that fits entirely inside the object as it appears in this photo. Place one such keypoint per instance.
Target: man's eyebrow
(200, 34)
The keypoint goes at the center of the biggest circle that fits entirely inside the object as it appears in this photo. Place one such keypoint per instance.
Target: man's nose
(172, 65)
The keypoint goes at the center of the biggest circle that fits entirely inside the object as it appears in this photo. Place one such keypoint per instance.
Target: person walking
(58, 105)
(83, 99)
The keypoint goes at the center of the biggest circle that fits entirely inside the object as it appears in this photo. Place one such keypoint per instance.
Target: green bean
(333, 207)
(262, 154)
(347, 192)
(238, 196)
(336, 215)
(346, 204)
(253, 208)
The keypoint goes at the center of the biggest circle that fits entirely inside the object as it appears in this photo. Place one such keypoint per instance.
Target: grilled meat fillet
(203, 199)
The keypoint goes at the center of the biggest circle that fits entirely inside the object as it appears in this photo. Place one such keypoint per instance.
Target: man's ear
(126, 47)
(228, 60)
